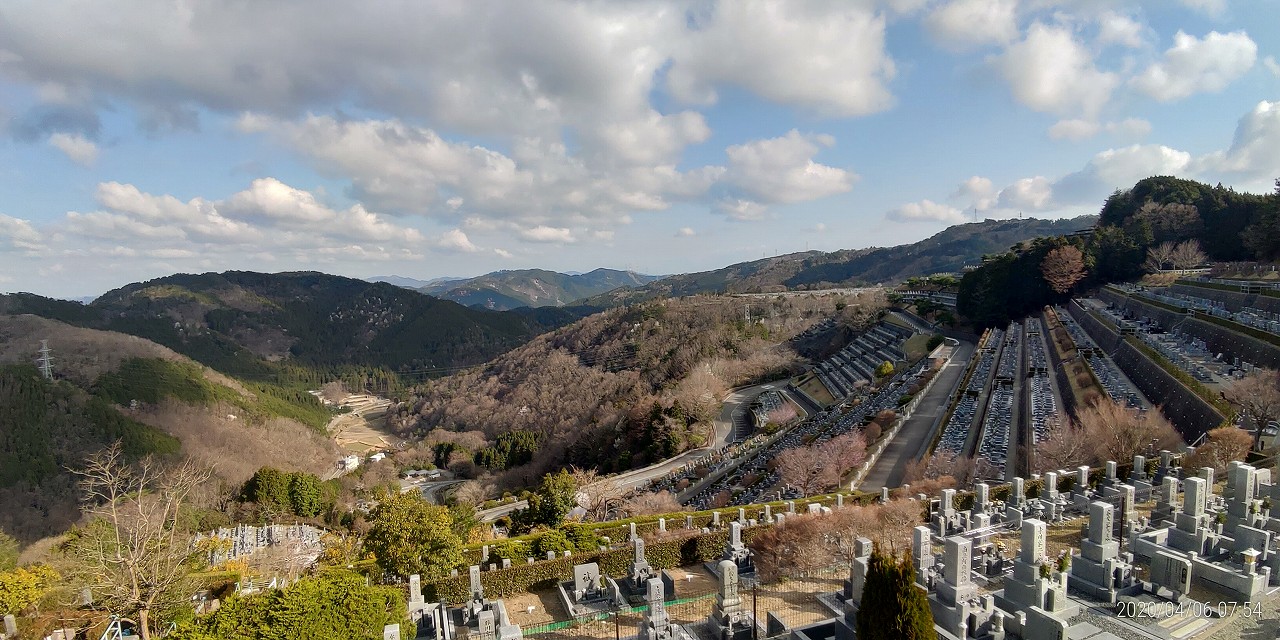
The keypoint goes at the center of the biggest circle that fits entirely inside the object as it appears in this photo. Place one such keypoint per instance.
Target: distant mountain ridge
(949, 250)
(250, 324)
(504, 290)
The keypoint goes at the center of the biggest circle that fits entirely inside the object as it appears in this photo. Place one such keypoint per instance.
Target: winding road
(734, 408)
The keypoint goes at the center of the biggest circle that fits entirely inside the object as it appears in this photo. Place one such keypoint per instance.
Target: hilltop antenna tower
(45, 360)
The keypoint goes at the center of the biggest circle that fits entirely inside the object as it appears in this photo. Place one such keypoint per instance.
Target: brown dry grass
(235, 448)
(80, 355)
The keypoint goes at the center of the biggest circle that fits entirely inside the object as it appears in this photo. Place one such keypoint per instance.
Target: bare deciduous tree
(1258, 396)
(1065, 447)
(1188, 255)
(596, 495)
(813, 468)
(1221, 446)
(471, 492)
(135, 554)
(1159, 255)
(334, 392)
(1062, 268)
(647, 504)
(1118, 433)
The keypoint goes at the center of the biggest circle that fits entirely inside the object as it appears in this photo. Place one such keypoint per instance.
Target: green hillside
(46, 428)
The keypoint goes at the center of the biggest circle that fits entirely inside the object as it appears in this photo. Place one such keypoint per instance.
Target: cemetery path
(890, 468)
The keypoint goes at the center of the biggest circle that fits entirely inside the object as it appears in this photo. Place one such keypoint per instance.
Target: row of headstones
(1227, 538)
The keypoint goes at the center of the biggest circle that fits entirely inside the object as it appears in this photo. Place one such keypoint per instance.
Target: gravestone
(852, 592)
(415, 589)
(586, 582)
(657, 624)
(1166, 501)
(391, 632)
(957, 571)
(641, 572)
(477, 589)
(1171, 571)
(1027, 589)
(1099, 570)
(981, 498)
(730, 619)
(10, 626)
(922, 552)
(737, 552)
(1139, 468)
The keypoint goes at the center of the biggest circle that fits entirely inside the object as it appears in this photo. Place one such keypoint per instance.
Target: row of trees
(282, 493)
(1170, 255)
(810, 469)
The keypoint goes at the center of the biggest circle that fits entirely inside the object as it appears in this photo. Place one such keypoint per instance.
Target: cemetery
(1063, 555)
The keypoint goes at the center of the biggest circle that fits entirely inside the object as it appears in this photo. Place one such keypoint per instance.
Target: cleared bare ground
(364, 428)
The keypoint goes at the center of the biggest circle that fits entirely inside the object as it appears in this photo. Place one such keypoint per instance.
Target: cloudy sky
(454, 137)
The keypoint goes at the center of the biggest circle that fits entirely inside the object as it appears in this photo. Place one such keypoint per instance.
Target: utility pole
(45, 361)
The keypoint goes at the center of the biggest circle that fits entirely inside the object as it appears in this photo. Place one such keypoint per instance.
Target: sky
(429, 138)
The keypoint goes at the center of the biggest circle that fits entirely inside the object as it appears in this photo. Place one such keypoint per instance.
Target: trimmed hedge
(519, 578)
(617, 530)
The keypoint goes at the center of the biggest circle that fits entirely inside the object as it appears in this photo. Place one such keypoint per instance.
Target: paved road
(890, 468)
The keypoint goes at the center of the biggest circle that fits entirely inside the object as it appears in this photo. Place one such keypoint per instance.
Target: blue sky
(430, 138)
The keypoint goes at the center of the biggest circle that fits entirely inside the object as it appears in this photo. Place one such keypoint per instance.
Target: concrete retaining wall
(1188, 413)
(1218, 338)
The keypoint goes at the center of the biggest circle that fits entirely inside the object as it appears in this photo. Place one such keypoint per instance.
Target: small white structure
(377, 457)
(349, 463)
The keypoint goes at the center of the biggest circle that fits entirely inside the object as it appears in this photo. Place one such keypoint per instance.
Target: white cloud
(926, 210)
(978, 191)
(456, 240)
(1049, 70)
(1270, 63)
(782, 170)
(1211, 7)
(269, 216)
(1031, 194)
(686, 232)
(544, 233)
(742, 210)
(1077, 129)
(1195, 66)
(1130, 128)
(19, 234)
(1073, 129)
(1119, 29)
(963, 24)
(503, 253)
(79, 149)
(826, 56)
(1255, 149)
(1128, 165)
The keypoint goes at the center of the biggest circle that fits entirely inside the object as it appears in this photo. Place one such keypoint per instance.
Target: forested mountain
(1229, 226)
(947, 251)
(48, 427)
(255, 325)
(622, 388)
(503, 290)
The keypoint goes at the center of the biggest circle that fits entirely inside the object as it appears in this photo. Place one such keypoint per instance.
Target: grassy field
(810, 384)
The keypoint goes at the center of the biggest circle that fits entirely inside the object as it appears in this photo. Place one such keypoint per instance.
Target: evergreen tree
(893, 607)
(410, 535)
(305, 494)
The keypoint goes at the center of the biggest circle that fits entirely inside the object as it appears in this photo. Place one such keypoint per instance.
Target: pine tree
(893, 607)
